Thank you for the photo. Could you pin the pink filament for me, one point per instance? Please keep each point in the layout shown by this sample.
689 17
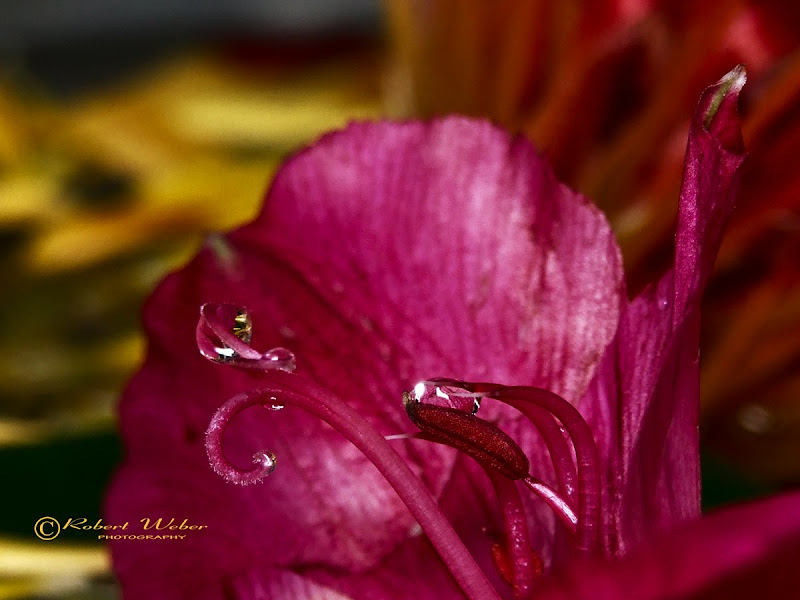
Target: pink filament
560 506
297 391
518 544
588 508
521 558
558 448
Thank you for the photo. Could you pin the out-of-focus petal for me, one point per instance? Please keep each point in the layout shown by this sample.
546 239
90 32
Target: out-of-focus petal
750 551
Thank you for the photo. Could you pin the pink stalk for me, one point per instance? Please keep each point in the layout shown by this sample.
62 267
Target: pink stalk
559 506
518 544
301 392
522 398
558 448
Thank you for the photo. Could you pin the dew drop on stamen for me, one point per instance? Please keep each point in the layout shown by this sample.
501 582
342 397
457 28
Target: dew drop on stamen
223 336
281 358
227 317
267 460
447 393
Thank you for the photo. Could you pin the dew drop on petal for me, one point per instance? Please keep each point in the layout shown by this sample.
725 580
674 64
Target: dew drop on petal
447 393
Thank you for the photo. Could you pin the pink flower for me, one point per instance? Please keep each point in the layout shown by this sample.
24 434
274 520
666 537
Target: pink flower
388 254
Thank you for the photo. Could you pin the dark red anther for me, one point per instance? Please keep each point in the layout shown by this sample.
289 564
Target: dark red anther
481 440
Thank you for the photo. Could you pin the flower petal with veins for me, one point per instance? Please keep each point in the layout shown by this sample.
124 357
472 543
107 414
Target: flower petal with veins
384 253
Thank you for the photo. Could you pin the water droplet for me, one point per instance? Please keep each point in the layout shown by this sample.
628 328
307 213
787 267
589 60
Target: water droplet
279 358
267 460
447 393
222 331
223 336
663 303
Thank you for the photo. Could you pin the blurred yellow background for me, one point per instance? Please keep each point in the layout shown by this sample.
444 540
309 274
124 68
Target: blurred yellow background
120 154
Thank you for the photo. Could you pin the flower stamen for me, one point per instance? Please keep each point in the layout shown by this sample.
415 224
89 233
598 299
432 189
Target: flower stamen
501 458
560 507
589 499
297 391
481 440
467 397
519 555
542 408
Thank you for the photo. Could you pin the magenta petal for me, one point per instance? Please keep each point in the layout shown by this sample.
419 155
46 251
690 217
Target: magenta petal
274 584
385 254
413 571
751 551
451 248
646 395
